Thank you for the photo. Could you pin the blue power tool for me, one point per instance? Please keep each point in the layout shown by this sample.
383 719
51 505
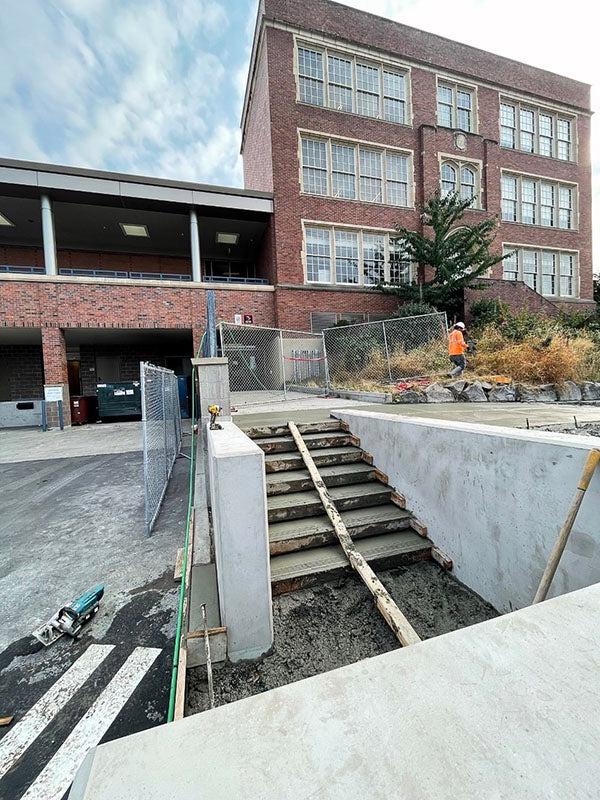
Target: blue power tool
72 617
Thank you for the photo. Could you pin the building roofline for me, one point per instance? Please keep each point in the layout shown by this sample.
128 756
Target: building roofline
144 180
263 16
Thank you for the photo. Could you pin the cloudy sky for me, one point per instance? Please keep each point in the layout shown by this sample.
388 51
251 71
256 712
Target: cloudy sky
156 86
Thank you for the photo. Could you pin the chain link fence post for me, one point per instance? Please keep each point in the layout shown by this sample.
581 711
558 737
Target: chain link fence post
387 352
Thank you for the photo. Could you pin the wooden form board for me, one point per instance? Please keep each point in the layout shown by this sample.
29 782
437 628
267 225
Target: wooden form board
401 627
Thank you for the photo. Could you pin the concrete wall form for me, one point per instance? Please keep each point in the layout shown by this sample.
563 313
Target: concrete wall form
492 498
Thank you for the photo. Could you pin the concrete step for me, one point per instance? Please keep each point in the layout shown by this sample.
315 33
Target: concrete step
301 534
299 480
323 457
291 571
314 441
298 505
263 431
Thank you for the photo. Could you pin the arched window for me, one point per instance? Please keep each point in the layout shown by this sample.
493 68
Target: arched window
448 179
467 183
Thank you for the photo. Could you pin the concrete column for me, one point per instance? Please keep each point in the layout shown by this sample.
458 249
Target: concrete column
239 514
213 384
48 236
54 352
195 247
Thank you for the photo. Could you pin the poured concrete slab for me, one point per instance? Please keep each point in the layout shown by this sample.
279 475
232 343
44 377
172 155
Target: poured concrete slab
508 708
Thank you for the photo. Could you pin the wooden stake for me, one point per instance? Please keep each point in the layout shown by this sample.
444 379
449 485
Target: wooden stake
591 463
209 675
401 627
182 663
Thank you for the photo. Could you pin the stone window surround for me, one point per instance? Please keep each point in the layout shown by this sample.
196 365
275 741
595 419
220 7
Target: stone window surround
476 164
530 104
519 247
455 85
541 179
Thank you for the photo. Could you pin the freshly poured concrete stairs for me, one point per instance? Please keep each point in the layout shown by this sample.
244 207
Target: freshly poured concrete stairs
303 545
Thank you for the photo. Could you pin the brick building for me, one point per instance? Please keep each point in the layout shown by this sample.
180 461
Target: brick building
368 118
349 122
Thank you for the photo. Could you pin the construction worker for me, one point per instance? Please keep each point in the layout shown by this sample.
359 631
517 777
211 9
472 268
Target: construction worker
456 349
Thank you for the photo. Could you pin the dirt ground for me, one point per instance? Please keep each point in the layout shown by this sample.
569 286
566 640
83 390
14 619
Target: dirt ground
336 623
585 429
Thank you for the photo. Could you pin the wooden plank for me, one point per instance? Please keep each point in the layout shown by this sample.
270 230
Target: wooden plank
418 526
367 457
178 564
211 632
398 500
182 663
401 627
381 476
441 558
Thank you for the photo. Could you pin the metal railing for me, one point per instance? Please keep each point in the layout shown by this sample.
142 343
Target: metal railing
373 353
269 363
161 424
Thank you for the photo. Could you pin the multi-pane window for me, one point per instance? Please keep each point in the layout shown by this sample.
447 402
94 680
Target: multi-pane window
310 75
509 198
346 257
551 272
314 166
373 258
352 171
535 201
359 256
455 107
462 178
371 180
347 83
318 255
536 130
508 126
339 83
343 171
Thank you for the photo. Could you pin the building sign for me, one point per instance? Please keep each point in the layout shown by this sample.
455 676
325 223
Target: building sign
237 319
53 393
248 319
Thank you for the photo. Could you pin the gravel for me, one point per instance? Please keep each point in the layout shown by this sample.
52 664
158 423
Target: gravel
336 623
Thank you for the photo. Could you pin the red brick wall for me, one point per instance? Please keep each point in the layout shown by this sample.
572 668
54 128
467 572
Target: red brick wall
423 138
83 259
294 306
256 147
43 303
349 24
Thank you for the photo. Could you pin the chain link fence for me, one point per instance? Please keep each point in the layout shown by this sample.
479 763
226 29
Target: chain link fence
161 423
268 364
373 353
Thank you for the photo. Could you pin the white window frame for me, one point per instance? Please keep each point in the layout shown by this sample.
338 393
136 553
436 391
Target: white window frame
356 57
556 252
358 144
538 180
458 164
361 231
455 87
538 110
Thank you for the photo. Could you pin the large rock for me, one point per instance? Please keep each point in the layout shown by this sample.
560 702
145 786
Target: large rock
526 394
409 396
547 393
502 393
568 392
590 390
456 387
436 393
473 393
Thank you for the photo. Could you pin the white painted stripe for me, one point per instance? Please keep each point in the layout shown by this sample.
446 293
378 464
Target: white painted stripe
56 777
18 739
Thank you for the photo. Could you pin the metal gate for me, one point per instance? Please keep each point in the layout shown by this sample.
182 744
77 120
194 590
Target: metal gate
161 424
269 364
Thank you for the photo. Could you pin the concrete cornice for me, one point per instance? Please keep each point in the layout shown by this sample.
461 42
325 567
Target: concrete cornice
54 279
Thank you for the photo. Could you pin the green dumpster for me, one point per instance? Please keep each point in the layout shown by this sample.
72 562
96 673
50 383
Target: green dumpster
119 400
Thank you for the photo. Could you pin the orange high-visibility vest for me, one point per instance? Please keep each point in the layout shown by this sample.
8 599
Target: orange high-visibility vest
456 343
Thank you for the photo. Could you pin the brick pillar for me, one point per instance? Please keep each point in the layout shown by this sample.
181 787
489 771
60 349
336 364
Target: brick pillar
54 353
197 334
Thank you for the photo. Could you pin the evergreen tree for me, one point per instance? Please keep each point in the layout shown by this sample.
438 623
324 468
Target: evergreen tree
457 254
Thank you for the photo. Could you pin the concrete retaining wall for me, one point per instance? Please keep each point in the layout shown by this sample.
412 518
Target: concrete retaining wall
492 498
236 467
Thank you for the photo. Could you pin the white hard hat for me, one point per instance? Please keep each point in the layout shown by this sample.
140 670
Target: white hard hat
460 325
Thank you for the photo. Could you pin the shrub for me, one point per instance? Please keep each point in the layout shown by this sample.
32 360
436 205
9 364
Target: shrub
414 310
488 311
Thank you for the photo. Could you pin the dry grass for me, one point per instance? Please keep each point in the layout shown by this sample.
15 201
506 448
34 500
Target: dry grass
551 358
